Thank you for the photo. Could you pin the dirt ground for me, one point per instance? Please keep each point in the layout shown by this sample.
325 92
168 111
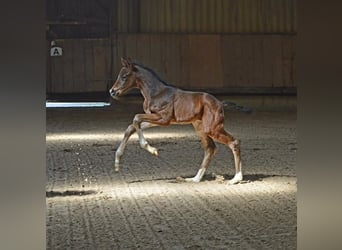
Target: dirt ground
90 206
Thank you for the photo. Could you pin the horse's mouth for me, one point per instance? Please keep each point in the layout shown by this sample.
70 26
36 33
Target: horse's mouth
115 94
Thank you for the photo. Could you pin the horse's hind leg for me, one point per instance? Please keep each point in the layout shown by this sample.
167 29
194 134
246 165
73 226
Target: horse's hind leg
224 137
209 152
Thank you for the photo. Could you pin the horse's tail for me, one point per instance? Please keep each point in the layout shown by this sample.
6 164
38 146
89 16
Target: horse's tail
233 106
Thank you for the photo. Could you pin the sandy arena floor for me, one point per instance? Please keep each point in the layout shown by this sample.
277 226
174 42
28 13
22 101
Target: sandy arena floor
89 206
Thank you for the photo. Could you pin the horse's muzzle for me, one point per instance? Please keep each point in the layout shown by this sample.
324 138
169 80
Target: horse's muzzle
114 94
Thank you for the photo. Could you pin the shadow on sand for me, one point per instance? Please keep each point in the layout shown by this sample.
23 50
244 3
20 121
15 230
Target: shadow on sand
51 194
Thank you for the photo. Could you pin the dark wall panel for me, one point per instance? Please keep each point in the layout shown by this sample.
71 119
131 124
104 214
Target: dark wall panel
83 67
207 16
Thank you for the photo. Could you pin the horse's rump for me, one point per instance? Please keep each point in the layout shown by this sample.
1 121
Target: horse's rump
213 114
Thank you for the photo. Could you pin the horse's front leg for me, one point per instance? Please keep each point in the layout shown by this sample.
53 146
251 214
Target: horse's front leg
143 142
129 131
119 152
142 121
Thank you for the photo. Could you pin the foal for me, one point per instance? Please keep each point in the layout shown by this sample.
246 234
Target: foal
165 105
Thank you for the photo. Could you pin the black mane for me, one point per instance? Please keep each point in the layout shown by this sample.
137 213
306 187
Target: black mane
153 73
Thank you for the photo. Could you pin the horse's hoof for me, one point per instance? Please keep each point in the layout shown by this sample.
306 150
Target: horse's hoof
237 179
152 150
117 168
192 180
233 182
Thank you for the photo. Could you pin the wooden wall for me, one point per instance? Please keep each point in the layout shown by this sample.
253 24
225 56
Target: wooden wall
84 66
213 62
206 16
216 45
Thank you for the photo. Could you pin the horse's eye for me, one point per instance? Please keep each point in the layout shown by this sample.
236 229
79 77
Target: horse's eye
124 78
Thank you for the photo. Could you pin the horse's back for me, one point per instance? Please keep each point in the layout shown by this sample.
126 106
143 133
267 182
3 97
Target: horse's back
190 106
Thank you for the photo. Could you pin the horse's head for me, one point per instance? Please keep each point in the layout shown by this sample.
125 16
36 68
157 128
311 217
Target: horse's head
126 79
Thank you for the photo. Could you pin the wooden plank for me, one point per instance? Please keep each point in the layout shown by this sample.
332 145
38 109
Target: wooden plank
242 61
79 66
227 67
152 15
143 48
54 79
184 61
249 50
292 73
258 60
277 62
231 56
197 22
100 67
121 45
143 13
161 16
205 67
148 13
204 16
48 86
238 59
132 16
68 81
116 57
219 17
88 64
130 47
243 54
163 56
168 15
175 16
56 72
156 59
107 52
172 59
190 14
287 61
182 16
268 63
212 16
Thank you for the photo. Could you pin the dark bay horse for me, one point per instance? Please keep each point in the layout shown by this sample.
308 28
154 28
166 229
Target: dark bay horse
165 105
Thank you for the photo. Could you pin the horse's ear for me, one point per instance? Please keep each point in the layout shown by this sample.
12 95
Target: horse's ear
124 62
127 63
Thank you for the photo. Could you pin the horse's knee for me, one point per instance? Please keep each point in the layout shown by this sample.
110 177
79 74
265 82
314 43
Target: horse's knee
130 130
235 145
136 121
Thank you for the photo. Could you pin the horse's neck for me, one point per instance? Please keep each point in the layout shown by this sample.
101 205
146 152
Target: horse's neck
150 86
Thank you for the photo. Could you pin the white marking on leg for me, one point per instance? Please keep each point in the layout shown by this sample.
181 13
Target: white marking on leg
198 176
144 144
237 178
119 152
